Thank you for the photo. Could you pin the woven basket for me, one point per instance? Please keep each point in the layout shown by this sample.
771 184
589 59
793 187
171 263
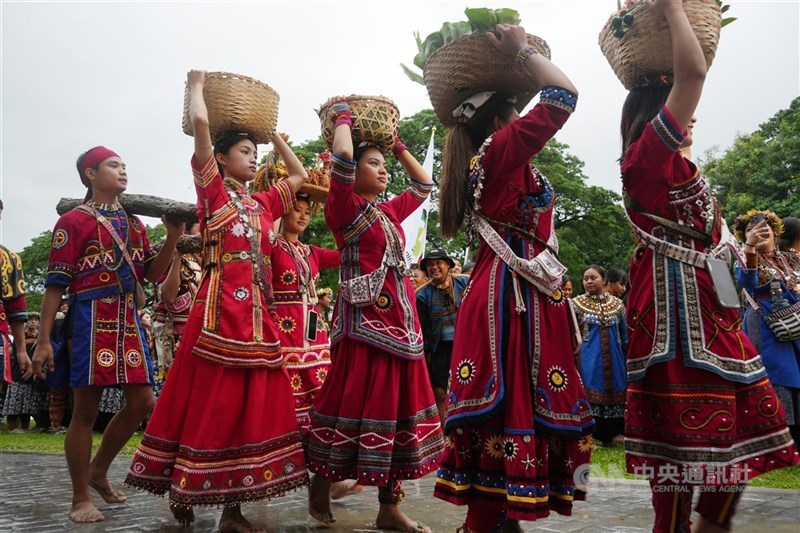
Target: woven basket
236 103
375 121
646 48
268 175
471 64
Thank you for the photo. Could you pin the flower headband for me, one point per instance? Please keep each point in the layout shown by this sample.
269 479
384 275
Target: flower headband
742 221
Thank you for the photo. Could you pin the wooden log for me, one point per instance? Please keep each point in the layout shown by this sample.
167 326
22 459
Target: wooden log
190 244
145 205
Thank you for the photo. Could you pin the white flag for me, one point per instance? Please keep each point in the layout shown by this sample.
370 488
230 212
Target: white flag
416 225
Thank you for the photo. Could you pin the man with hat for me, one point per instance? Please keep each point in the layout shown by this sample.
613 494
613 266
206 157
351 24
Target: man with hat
438 301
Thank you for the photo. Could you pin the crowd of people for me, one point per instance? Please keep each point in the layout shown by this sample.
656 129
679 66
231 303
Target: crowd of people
497 375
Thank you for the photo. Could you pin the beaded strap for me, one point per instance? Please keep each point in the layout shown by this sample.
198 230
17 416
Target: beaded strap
523 55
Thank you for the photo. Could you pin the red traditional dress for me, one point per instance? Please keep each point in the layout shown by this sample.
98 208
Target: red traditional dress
700 409
12 306
516 409
109 346
306 354
224 429
374 419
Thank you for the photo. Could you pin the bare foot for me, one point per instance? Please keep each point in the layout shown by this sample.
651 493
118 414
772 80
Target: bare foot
340 489
391 517
106 491
232 521
85 512
184 515
319 500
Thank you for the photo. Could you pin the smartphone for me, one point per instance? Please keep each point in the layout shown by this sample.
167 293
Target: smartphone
721 279
311 326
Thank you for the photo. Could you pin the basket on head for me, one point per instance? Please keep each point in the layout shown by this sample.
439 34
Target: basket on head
274 170
645 48
236 104
471 64
375 121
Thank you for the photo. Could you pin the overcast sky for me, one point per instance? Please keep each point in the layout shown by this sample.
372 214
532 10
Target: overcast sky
75 75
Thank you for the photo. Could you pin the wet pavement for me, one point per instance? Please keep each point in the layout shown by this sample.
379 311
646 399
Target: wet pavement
35 497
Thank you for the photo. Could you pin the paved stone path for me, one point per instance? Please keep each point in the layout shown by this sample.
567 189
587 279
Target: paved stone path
35 495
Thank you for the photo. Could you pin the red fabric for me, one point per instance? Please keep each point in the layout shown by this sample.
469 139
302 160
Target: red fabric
307 362
374 420
208 441
681 414
95 156
673 506
513 379
13 306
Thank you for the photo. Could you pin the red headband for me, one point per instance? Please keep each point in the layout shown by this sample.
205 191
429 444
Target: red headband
95 156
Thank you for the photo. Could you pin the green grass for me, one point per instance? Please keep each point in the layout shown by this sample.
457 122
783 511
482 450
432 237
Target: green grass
610 462
33 441
606 462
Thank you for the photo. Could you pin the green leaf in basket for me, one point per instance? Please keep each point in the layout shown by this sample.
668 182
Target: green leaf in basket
453 30
419 60
413 76
506 15
481 18
727 21
724 8
420 48
432 43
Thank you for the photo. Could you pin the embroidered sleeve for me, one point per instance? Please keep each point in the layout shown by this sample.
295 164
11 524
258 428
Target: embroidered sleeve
280 198
343 170
13 279
664 126
419 190
65 251
203 174
341 207
559 97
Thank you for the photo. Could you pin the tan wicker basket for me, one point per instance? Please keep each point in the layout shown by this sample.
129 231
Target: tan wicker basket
237 103
375 121
471 64
274 171
646 48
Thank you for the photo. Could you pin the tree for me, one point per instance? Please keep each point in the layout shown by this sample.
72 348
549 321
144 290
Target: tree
761 170
35 259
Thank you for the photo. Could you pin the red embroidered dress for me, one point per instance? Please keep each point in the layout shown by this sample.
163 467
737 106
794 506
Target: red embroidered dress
374 419
516 409
224 430
295 272
698 395
109 346
12 306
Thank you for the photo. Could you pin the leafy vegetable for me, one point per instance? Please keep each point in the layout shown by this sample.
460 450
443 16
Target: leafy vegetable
479 19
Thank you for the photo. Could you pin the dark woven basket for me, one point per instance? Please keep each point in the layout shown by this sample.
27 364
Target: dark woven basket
471 64
236 103
645 50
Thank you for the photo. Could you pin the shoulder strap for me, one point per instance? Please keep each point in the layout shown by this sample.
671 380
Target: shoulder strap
114 235
630 203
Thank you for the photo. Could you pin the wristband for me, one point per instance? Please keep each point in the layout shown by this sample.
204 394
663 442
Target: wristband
340 114
523 55
399 146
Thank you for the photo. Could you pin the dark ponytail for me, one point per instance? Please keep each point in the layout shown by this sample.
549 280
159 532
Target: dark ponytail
641 106
460 146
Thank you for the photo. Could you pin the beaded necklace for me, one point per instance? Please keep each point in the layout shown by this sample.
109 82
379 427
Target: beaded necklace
299 253
600 306
253 237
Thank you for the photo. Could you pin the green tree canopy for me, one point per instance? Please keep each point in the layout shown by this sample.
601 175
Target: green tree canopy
761 170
